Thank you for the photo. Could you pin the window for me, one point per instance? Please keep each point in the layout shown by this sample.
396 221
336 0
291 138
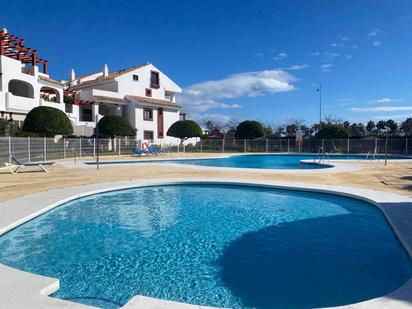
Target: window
136 78
147 114
154 79
86 114
148 92
148 135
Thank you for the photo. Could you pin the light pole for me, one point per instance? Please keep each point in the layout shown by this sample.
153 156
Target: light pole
97 142
320 103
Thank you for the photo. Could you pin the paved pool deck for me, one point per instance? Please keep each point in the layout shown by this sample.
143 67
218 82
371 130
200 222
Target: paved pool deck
29 194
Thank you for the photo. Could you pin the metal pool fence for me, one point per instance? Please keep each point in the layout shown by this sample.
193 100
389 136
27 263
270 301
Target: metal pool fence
35 149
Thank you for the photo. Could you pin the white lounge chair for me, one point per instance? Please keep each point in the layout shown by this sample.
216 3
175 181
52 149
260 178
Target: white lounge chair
17 166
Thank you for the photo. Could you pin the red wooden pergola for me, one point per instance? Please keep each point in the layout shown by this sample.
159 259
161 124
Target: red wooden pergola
13 47
77 101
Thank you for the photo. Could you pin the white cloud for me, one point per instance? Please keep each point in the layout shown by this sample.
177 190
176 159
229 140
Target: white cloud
345 39
380 109
396 117
196 99
331 55
377 43
385 100
348 57
259 54
374 33
281 56
326 67
336 45
218 119
296 67
316 53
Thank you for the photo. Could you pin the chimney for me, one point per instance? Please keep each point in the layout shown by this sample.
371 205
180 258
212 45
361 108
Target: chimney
72 75
105 71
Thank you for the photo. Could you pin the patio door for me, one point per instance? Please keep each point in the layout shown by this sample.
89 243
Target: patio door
160 124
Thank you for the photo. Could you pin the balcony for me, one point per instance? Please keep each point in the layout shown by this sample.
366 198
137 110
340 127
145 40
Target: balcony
19 104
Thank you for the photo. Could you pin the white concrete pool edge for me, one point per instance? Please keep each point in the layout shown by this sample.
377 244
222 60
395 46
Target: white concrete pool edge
25 290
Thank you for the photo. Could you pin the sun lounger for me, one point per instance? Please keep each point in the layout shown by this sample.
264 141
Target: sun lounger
17 166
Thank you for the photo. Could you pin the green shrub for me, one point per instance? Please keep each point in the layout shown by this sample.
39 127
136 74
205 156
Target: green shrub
333 131
249 129
184 129
47 121
112 126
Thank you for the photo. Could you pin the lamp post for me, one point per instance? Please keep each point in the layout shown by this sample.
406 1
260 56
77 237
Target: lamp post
320 103
97 142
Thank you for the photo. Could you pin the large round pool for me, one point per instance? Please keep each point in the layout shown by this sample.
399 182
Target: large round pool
215 245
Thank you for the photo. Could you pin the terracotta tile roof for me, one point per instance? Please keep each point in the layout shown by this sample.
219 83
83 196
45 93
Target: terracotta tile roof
48 79
155 101
115 74
86 75
104 98
112 75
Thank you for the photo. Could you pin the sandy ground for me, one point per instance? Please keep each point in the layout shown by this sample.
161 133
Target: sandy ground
395 177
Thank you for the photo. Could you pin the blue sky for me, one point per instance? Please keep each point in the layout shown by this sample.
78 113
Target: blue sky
238 59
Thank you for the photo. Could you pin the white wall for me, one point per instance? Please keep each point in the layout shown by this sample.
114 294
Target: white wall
169 117
12 69
128 86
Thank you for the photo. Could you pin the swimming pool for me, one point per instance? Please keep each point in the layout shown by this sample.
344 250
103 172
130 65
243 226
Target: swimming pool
280 161
216 245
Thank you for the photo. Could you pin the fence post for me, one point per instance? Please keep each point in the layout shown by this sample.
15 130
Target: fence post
376 146
28 149
347 150
288 145
178 148
64 148
94 147
44 149
323 145
119 145
244 144
80 147
406 146
184 148
223 145
267 145
9 149
201 145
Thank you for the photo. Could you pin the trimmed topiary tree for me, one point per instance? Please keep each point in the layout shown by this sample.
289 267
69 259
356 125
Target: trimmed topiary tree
333 131
249 129
47 121
184 129
112 126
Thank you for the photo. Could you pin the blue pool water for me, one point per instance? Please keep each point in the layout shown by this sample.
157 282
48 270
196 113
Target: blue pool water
254 161
227 246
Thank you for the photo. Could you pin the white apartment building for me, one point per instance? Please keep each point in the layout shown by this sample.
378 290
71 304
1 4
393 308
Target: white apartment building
22 85
143 95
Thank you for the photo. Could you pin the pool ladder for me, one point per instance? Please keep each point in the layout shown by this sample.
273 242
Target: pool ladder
372 156
321 156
